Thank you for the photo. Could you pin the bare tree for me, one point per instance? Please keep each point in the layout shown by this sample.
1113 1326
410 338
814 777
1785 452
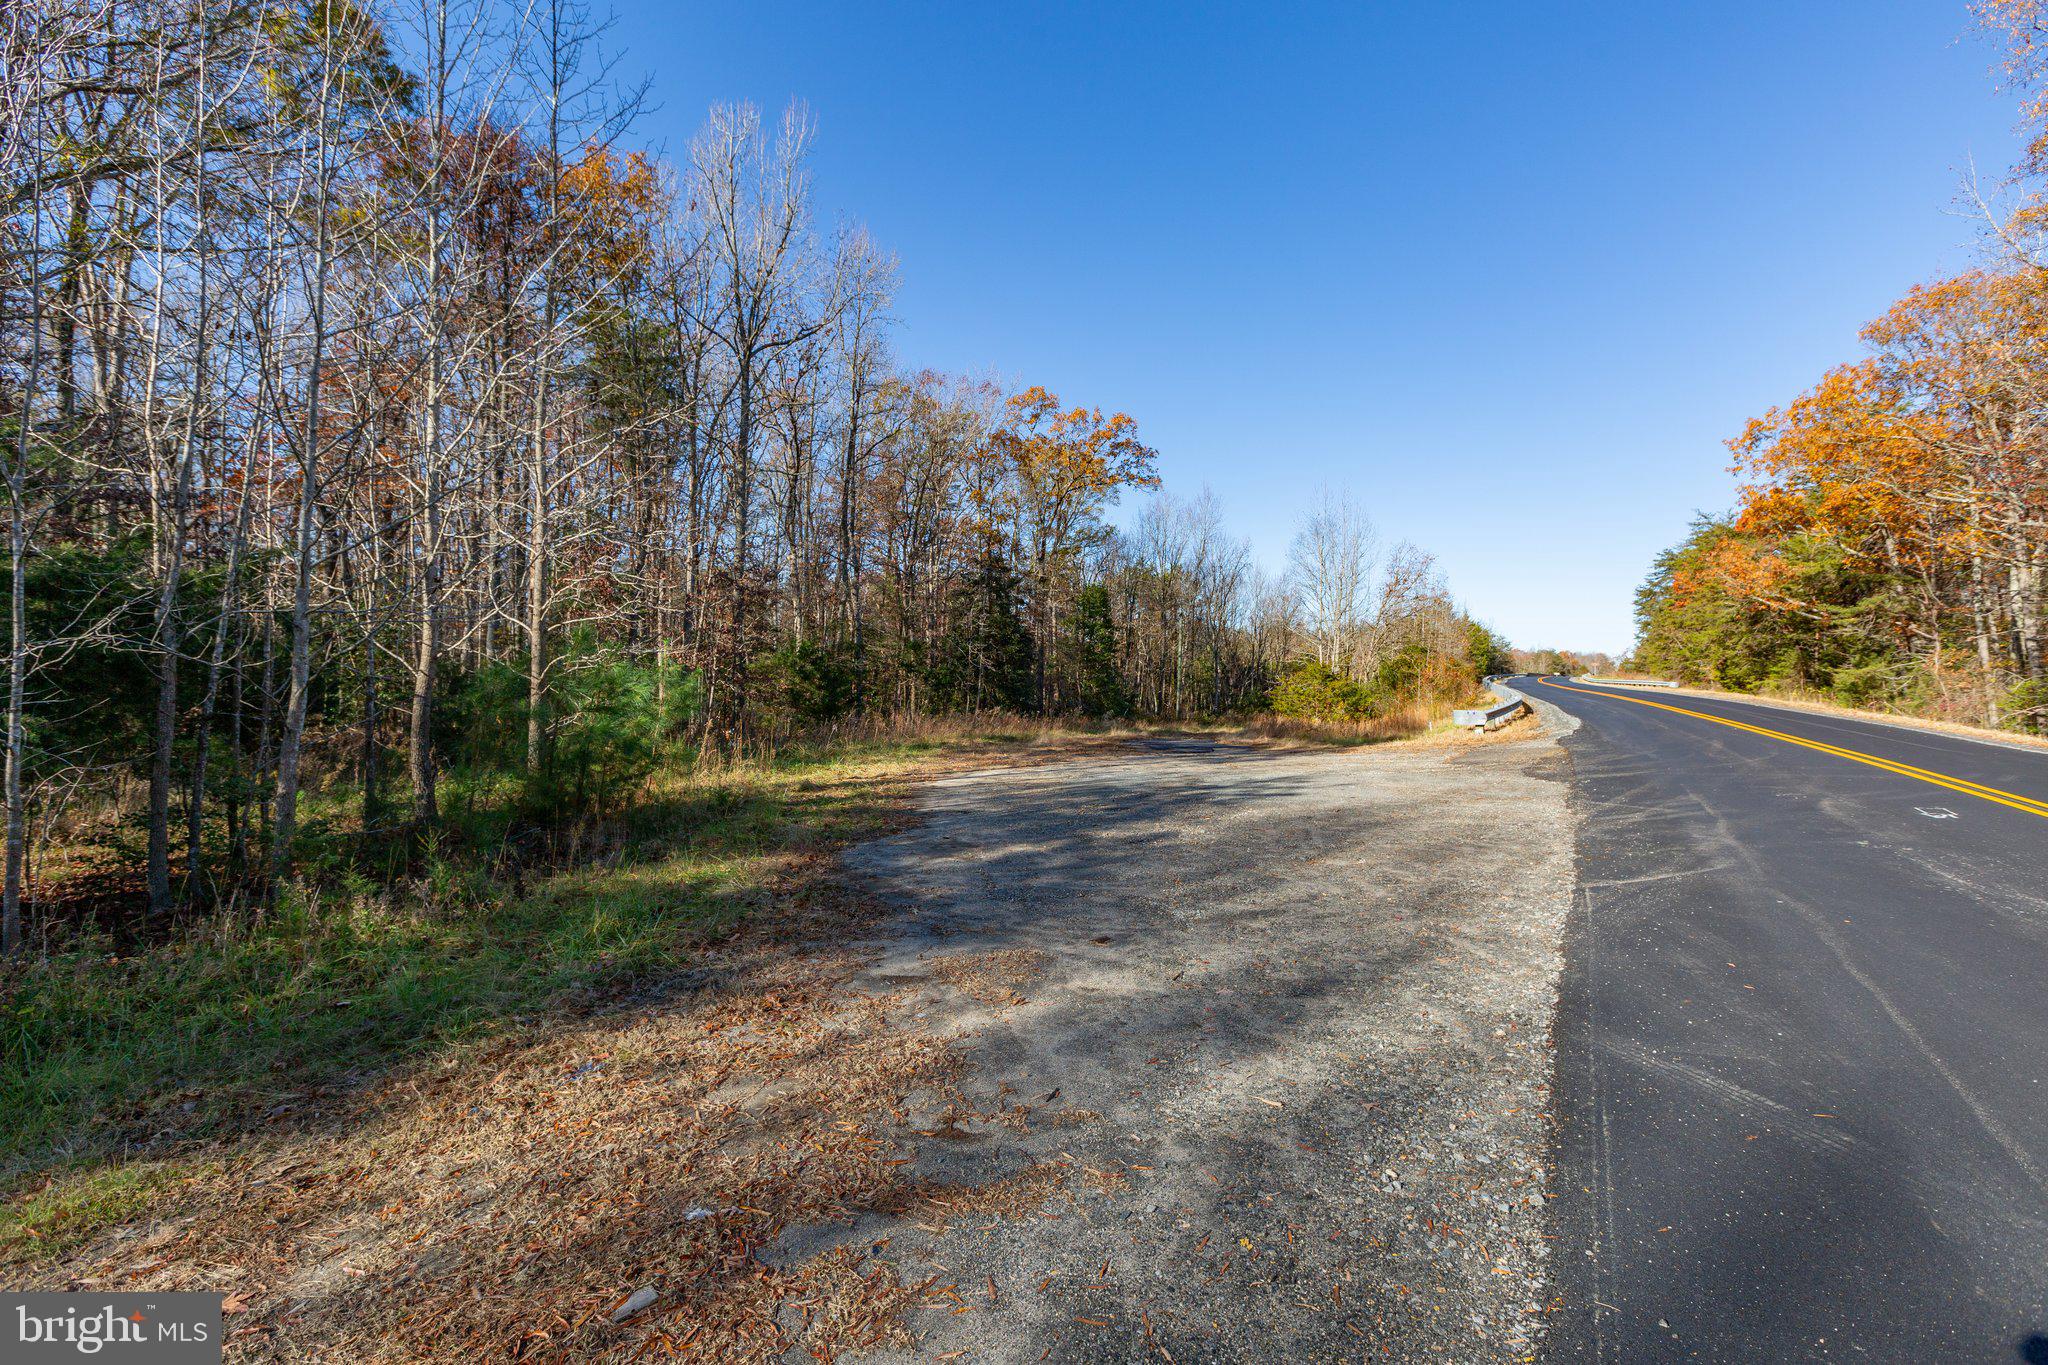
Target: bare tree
321 112
756 204
1404 599
1329 567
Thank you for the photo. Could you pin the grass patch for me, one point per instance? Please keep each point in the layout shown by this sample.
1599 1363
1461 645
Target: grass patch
495 1195
230 1024
71 1207
117 1068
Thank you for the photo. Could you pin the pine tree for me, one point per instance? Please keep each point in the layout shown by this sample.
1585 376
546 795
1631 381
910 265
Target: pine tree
988 664
1094 632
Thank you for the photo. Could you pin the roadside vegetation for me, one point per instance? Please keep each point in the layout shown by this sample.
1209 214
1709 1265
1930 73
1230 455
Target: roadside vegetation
132 1059
126 1037
121 1054
1890 549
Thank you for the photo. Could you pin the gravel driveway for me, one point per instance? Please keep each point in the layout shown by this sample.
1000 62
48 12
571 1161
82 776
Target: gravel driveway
1256 1053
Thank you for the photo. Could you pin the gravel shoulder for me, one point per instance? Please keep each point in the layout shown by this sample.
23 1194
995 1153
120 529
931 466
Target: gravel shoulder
1255 1054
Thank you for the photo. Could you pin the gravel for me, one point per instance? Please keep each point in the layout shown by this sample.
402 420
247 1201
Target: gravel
1278 1021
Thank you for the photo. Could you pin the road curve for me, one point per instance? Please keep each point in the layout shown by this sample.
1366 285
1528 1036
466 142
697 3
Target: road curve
1801 1038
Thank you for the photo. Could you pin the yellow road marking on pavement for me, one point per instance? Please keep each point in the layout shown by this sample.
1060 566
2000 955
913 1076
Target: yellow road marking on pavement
1956 784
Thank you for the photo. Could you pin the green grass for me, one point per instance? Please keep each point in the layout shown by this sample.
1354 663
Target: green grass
64 1213
205 1033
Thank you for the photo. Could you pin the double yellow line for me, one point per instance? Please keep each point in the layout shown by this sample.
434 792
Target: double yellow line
1954 784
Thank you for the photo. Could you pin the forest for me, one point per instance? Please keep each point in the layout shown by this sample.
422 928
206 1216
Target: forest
1890 544
402 465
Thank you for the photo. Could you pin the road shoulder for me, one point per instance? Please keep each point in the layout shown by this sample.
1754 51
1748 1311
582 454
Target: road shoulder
1268 1035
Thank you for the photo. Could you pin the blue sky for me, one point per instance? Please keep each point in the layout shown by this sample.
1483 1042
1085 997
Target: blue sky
1509 272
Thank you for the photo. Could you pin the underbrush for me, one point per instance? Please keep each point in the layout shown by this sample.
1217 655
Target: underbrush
1405 721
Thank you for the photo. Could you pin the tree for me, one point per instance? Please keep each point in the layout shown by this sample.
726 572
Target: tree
1102 691
364 394
1329 566
756 202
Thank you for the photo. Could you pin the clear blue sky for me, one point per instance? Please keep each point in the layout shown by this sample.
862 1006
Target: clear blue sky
1510 272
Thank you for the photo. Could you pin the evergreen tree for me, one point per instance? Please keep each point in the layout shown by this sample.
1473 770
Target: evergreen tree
1102 685
987 662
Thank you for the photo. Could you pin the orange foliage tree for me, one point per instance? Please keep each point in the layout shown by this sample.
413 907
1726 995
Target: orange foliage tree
1917 477
1061 469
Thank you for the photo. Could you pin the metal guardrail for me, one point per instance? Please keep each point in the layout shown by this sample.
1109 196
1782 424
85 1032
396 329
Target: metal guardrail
1482 719
1627 682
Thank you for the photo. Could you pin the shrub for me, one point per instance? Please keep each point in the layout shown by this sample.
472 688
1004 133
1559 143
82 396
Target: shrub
804 684
1878 682
615 719
1308 690
2027 705
609 720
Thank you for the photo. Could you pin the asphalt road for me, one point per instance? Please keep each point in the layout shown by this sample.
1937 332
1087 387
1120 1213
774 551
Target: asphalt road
1801 1039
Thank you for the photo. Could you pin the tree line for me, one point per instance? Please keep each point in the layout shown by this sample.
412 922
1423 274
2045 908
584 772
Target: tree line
379 424
1565 661
1890 545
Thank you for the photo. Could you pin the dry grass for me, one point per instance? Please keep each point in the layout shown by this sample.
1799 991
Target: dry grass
1522 727
507 1206
508 1196
1404 723
1025 739
1411 721
1015 734
130 1048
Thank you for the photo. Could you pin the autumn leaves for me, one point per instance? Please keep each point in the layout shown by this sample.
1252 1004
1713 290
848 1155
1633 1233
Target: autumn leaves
1891 541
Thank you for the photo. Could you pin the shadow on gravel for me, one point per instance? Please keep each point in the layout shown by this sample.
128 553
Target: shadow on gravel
1284 1025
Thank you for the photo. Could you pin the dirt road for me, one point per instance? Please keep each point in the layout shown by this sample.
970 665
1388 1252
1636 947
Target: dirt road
1259 1038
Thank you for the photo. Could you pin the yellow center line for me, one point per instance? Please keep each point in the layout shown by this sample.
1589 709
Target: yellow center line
1956 784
